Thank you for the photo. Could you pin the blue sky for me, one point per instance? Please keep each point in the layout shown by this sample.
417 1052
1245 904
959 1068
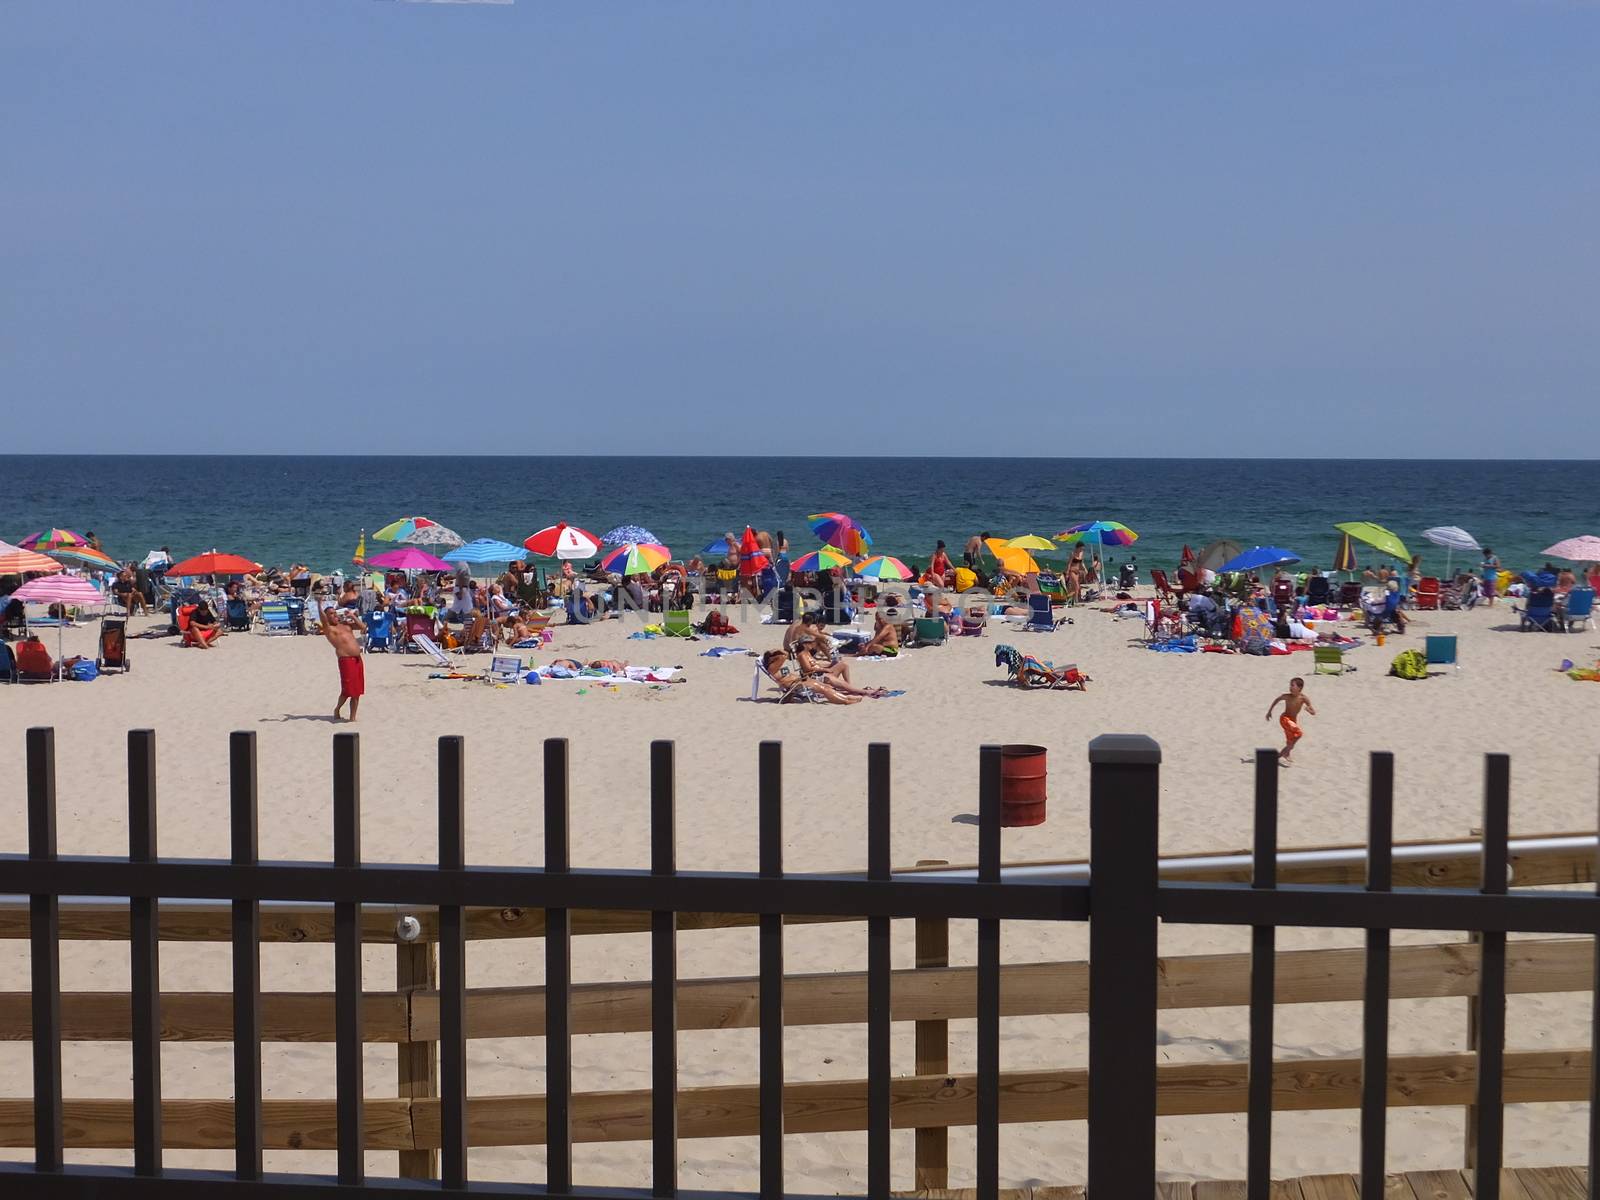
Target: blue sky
1166 229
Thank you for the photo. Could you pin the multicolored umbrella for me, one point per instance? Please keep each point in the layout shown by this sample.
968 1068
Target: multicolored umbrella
1377 537
563 541
85 554
882 566
825 559
14 560
484 550
623 534
408 558
1344 558
50 539
636 558
1103 533
1030 541
418 531
839 529
215 564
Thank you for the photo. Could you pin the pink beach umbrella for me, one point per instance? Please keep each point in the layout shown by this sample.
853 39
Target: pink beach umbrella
408 558
60 589
1576 549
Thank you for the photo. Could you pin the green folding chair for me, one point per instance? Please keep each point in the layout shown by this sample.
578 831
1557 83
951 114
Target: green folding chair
931 631
1329 660
677 624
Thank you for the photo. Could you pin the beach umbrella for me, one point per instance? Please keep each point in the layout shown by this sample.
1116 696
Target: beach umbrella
60 589
1186 559
1030 541
408 558
752 558
1377 537
1575 549
623 534
1452 538
418 531
484 550
636 558
1103 533
718 548
87 555
215 564
882 566
1012 558
563 541
1214 554
1344 558
50 539
360 555
821 560
839 529
14 560
1257 557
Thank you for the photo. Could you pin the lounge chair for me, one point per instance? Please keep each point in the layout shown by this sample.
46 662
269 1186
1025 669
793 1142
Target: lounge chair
930 631
1540 612
1440 649
678 624
1427 596
1030 672
238 615
1327 660
380 630
431 648
113 647
1283 595
503 668
798 692
1580 607
1040 616
1189 582
1164 589
418 625
275 617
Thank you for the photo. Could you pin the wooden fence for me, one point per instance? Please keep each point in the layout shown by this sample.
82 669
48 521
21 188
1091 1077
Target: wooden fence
431 1121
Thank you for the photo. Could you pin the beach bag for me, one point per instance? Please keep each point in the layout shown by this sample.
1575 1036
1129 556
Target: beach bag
85 670
1410 664
1257 645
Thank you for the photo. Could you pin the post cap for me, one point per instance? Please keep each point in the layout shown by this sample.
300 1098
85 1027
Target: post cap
1124 749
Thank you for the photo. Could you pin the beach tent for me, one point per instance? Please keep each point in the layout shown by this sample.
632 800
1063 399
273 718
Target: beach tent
1212 556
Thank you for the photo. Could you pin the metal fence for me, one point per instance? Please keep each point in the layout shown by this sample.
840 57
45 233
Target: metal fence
1123 899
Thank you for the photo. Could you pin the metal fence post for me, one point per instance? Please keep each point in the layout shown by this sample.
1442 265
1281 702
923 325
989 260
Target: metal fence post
1124 787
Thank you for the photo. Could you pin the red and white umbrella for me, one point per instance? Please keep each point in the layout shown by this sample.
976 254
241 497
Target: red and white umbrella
563 541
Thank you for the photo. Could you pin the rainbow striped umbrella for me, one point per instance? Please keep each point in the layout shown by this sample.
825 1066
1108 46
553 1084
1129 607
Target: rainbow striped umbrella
1104 533
882 566
636 558
1344 559
84 554
52 539
839 529
821 560
14 560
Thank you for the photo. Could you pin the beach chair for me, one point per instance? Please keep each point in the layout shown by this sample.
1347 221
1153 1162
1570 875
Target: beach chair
1041 618
930 631
503 668
1440 649
1164 589
1327 660
430 647
798 692
8 663
1053 586
297 613
678 624
418 625
974 620
1318 589
1349 594
380 630
1580 607
1427 596
238 615
113 647
33 661
1030 672
275 617
1540 612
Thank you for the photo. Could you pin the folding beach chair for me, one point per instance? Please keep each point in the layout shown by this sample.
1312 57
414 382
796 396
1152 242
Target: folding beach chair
431 648
1327 660
1040 617
380 630
930 631
503 668
1349 594
1427 596
1540 612
1164 589
678 624
275 617
8 663
1318 589
1440 649
1580 607
238 615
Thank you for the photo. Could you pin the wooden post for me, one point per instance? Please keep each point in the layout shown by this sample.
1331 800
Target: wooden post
932 1050
1474 1008
417 968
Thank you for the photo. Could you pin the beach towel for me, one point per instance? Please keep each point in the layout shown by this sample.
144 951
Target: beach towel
1180 645
724 651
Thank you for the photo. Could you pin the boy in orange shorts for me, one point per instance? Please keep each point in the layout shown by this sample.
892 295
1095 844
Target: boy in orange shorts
1294 700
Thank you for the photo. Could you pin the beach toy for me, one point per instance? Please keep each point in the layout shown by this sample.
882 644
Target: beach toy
1566 665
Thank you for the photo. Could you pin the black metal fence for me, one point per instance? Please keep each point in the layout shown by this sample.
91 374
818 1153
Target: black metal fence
1124 902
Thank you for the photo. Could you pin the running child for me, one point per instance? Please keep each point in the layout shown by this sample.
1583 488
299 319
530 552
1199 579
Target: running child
1294 700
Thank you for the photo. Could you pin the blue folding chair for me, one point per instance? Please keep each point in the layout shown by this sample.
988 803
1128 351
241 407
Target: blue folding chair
1540 612
1441 650
380 630
1580 607
1040 617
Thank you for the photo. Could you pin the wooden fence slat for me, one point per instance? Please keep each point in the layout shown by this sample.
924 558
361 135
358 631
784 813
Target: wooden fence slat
208 1017
208 1124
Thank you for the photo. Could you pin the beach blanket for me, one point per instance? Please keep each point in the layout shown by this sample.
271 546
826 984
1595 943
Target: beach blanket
596 675
1181 645
724 651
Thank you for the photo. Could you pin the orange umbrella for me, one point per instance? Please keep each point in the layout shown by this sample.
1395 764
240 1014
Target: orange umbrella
14 560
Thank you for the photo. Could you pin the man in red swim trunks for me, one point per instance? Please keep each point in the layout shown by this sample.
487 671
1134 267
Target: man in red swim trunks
338 626
1294 700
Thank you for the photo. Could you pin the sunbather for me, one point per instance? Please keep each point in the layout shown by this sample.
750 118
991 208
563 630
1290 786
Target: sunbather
798 690
885 637
819 658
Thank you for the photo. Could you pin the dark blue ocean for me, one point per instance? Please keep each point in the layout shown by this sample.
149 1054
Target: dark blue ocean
278 509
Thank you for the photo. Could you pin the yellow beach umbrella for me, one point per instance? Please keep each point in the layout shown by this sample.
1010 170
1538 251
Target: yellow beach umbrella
1012 558
1030 541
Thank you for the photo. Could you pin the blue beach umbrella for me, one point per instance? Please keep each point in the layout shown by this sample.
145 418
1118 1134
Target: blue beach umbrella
623 534
486 550
719 548
1257 557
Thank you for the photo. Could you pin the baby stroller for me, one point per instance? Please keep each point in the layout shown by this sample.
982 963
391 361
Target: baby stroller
113 646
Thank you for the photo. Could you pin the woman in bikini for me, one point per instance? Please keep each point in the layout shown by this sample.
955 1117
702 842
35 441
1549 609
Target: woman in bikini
776 664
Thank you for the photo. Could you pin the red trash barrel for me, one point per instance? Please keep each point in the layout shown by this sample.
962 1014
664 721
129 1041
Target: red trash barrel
1022 785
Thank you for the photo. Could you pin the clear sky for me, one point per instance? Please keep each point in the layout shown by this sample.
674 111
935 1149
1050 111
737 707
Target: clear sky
1054 228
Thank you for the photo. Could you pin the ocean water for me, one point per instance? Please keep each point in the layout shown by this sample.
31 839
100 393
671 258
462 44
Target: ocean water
280 509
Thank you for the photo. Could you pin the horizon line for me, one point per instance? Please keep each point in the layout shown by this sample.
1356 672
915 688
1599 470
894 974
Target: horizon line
796 457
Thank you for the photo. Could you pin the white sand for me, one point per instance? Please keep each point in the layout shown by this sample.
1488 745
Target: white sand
1205 710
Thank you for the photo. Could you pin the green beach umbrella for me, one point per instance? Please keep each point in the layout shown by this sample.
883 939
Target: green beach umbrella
1377 537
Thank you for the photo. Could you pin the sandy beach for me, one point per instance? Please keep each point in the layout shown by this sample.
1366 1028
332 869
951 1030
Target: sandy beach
1206 711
